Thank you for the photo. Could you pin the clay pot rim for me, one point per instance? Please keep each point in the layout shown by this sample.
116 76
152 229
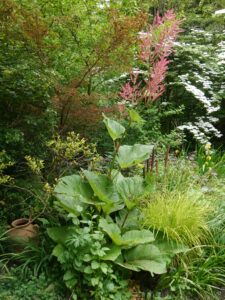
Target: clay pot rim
24 221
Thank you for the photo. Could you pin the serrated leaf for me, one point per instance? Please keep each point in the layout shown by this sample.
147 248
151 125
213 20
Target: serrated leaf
68 275
104 268
94 265
110 286
87 257
73 193
94 281
129 156
88 270
135 116
114 128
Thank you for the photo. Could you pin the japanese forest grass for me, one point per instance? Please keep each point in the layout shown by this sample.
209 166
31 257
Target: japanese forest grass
180 205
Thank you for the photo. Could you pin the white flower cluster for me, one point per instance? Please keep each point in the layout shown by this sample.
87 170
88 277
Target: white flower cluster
208 103
221 53
203 81
201 130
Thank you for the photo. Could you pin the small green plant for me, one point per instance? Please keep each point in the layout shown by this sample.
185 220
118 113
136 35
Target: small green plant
37 257
201 278
210 160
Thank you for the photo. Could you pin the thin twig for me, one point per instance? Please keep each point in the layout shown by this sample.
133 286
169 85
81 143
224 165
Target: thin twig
144 173
167 156
153 160
148 164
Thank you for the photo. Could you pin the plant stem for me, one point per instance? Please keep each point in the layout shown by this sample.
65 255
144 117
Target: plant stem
167 156
119 142
124 221
144 172
153 160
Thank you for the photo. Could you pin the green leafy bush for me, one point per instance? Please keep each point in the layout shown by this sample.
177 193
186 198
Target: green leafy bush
15 287
80 250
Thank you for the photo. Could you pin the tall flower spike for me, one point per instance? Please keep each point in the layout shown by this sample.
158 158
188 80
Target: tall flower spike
155 46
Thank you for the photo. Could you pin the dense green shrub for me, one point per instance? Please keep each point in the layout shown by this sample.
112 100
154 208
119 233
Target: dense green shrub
15 287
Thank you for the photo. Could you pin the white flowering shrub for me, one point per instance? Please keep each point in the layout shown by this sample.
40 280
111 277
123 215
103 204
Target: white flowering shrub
197 81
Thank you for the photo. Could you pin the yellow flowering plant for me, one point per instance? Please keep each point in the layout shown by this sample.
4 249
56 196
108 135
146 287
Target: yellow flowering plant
210 160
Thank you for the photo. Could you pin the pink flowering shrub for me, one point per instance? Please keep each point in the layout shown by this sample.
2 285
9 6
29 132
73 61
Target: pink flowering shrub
155 47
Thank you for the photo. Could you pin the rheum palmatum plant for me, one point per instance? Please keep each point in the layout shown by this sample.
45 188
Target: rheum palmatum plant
155 47
105 232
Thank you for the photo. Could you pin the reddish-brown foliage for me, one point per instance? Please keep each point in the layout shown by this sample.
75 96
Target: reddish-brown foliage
79 110
19 23
78 103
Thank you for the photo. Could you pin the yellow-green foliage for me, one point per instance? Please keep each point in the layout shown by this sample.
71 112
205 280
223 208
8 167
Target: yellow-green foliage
180 216
36 165
179 205
69 152
4 163
73 149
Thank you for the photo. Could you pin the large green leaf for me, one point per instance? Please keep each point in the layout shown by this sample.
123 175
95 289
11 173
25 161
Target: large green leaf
116 176
73 192
120 261
129 156
137 237
114 128
145 257
58 250
112 230
130 188
168 248
60 234
135 117
131 219
113 252
128 239
105 190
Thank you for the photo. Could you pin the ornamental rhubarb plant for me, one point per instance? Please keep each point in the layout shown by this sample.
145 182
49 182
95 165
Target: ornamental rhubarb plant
104 230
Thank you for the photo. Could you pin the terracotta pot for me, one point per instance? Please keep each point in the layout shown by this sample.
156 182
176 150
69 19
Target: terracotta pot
22 231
